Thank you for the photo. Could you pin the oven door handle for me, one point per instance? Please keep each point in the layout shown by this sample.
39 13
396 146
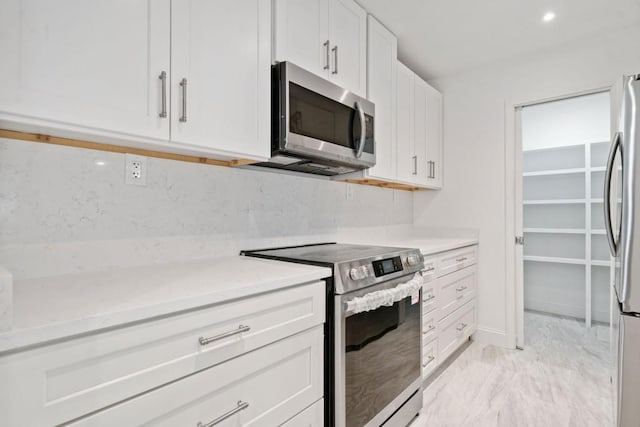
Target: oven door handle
385 297
363 130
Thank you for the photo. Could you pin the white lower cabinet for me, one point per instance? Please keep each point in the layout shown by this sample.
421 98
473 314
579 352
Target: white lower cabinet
455 260
313 416
448 304
455 290
456 328
57 383
265 387
429 357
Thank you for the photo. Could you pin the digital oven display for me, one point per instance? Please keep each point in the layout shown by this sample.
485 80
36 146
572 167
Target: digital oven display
387 266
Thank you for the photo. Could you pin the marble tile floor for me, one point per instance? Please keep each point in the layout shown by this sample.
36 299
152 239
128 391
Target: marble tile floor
560 379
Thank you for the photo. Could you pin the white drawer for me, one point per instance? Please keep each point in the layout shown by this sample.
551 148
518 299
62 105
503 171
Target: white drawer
458 259
455 290
429 298
277 382
429 327
455 329
430 358
429 272
313 416
56 383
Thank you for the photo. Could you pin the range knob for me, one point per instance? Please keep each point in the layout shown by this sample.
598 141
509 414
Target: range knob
413 260
358 273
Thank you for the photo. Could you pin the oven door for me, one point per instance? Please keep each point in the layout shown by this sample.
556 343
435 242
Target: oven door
377 357
321 121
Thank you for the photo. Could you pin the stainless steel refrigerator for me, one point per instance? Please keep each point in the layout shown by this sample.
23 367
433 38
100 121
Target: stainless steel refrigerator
622 224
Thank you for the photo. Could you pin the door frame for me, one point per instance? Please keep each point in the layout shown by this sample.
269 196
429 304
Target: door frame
513 208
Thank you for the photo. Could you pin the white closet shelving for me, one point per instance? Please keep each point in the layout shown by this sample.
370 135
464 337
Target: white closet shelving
566 253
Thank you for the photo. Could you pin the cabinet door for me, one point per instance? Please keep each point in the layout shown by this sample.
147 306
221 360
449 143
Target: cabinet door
404 116
434 138
78 64
381 84
420 130
301 34
348 36
221 76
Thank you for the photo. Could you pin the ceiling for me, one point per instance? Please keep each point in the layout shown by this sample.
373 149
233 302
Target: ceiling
443 37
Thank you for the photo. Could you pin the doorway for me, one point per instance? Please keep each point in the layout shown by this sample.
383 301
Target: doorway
561 150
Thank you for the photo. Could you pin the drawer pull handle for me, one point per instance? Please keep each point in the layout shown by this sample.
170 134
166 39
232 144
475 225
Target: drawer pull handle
241 329
430 328
461 326
241 407
462 258
429 298
427 270
429 360
461 288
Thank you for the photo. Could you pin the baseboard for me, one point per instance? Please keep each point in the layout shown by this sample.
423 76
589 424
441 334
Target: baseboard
554 308
486 336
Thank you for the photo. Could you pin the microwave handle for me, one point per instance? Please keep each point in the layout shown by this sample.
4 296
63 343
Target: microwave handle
363 130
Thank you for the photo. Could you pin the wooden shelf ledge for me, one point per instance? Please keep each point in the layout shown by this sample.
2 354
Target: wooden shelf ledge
385 184
77 143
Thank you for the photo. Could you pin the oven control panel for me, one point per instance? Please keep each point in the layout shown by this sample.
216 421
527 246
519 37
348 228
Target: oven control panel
364 272
387 266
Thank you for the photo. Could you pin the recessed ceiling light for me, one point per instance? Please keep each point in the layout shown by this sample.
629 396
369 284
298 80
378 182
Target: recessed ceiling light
549 16
100 162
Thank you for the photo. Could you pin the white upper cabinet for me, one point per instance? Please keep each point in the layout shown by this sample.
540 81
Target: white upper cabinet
381 90
434 138
348 36
220 75
301 34
79 64
326 37
419 131
404 134
420 90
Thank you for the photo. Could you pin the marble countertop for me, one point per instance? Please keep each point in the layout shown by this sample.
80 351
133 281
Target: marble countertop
427 245
53 308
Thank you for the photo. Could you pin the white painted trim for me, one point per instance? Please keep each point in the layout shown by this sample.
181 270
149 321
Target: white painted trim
559 309
519 228
486 336
510 229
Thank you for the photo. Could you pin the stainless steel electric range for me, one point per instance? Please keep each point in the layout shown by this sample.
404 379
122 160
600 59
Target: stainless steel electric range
372 331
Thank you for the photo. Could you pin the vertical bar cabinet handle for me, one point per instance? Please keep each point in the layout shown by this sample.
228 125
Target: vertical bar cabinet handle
335 60
327 60
183 85
163 79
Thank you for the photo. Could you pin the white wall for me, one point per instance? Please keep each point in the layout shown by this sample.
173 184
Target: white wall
574 121
474 129
60 212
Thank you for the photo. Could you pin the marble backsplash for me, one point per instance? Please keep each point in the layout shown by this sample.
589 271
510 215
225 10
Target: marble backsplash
65 210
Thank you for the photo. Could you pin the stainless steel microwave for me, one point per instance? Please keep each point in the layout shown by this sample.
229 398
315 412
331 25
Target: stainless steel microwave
318 127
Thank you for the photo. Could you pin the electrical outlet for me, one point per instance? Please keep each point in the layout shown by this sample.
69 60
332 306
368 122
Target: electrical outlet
135 170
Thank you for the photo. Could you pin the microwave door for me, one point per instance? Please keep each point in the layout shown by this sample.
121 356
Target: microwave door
323 122
319 126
